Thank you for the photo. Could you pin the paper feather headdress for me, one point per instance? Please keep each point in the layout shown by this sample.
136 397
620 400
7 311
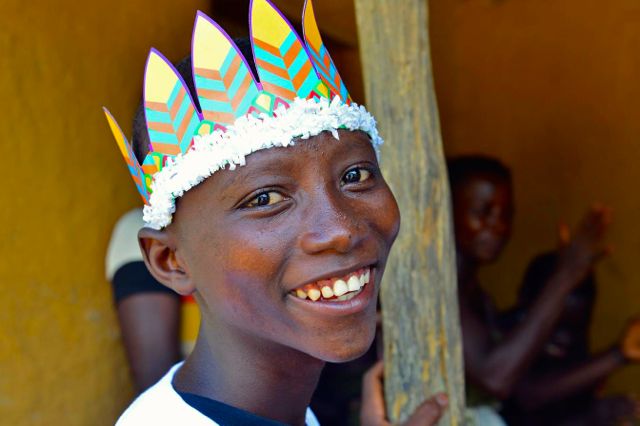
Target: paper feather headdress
299 95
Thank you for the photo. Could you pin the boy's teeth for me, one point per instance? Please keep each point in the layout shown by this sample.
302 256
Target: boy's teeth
347 296
314 294
327 292
340 287
354 283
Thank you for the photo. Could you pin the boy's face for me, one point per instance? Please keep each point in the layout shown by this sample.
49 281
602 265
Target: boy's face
483 212
571 332
249 238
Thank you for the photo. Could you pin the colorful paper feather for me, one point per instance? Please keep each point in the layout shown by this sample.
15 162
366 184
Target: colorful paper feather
284 66
320 56
172 118
129 157
224 82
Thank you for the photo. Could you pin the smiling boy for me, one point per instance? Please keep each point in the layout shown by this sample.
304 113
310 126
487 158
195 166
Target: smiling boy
269 207
248 241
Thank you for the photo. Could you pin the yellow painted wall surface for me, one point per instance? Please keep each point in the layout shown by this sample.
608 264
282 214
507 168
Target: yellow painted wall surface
64 186
553 89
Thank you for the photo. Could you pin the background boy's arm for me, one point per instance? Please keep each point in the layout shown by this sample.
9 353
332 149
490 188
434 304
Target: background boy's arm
536 391
149 323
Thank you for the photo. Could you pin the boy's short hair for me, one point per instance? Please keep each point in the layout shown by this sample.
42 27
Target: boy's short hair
464 167
140 135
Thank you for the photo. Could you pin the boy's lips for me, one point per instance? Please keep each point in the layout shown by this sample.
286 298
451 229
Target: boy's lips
339 288
354 292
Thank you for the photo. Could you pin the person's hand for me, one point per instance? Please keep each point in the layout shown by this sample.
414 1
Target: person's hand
630 342
579 252
372 411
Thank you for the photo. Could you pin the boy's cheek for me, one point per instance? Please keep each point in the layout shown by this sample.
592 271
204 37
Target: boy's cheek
245 285
387 218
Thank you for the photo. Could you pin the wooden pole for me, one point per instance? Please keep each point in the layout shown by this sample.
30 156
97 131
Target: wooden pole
422 343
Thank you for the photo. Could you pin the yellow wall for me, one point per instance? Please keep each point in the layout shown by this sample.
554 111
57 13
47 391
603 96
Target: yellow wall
64 186
552 88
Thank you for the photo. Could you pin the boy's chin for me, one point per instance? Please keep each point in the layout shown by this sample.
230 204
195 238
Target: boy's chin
345 350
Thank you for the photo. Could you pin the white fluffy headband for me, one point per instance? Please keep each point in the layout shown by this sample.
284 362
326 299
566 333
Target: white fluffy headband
303 119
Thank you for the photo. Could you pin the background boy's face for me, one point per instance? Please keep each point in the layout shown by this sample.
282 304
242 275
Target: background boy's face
570 336
483 211
290 217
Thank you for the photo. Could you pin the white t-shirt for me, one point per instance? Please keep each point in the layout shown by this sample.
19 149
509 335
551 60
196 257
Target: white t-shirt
123 247
161 405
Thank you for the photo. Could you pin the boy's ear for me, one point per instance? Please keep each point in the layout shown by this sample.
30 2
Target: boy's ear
163 261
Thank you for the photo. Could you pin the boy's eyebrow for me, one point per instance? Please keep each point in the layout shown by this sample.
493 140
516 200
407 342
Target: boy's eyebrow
252 170
272 161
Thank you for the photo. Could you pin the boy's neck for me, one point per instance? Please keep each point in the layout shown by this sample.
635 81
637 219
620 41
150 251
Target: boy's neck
260 377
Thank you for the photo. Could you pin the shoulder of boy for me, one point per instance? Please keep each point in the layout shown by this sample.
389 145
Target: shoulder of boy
161 405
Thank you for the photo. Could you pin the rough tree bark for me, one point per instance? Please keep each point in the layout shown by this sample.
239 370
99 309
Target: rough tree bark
422 343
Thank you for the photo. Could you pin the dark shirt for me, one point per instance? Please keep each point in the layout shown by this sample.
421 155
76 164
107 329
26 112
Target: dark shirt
223 414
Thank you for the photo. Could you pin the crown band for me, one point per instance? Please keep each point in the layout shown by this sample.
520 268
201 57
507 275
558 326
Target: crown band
303 119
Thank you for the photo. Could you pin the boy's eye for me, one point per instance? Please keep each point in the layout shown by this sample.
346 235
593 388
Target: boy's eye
265 199
355 175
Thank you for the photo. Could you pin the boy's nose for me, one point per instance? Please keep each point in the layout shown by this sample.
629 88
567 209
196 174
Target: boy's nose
498 221
330 228
498 226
